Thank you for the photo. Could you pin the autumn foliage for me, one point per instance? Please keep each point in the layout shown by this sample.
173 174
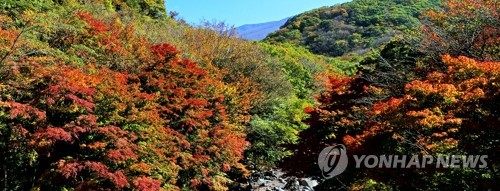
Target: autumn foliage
404 101
465 27
112 95
451 111
136 116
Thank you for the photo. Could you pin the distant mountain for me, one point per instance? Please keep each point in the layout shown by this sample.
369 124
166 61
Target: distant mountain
259 31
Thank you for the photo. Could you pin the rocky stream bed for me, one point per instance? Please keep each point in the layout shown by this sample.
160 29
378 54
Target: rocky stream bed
275 180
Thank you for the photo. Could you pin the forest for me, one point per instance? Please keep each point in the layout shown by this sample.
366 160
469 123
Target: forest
123 95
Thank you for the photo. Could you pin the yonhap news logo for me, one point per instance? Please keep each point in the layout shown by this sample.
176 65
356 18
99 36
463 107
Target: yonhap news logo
333 160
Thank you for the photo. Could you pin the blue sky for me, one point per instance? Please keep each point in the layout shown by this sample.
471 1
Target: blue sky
239 12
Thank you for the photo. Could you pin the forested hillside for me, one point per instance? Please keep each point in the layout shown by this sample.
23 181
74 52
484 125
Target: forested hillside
352 27
434 92
120 95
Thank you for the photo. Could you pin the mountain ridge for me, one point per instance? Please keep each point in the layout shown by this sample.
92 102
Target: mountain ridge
259 31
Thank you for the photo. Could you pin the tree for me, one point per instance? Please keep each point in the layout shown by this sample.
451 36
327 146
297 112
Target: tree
469 28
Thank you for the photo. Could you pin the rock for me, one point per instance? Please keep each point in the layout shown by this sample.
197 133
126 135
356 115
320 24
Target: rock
308 182
304 182
278 189
270 173
255 176
306 188
262 182
274 180
282 181
292 184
